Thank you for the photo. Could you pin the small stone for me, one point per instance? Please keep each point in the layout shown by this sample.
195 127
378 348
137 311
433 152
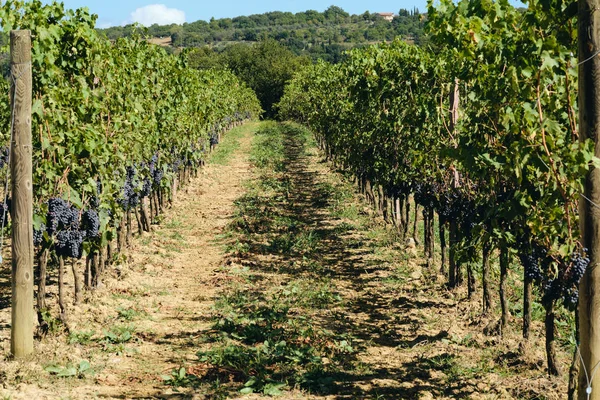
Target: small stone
417 273
426 396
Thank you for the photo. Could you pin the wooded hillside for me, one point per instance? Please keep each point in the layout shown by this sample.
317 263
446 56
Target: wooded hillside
322 35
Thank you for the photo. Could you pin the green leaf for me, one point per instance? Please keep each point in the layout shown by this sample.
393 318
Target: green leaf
548 61
84 366
273 389
53 369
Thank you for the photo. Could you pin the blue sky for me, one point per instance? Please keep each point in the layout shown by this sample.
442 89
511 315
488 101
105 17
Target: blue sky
118 12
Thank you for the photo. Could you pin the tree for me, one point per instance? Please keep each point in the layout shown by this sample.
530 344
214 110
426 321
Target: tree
336 14
205 58
266 67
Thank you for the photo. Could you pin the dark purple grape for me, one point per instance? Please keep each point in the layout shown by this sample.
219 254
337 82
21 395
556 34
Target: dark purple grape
61 216
129 196
578 266
38 235
90 224
146 188
158 177
571 298
69 243
4 157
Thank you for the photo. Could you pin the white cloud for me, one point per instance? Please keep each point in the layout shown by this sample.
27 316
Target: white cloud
157 14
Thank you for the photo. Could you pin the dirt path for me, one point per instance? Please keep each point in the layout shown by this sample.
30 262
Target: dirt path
160 296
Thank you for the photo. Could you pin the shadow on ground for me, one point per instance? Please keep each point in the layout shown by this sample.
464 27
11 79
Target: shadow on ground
295 229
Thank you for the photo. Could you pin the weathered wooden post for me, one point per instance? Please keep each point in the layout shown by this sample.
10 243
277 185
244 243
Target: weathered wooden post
454 273
22 196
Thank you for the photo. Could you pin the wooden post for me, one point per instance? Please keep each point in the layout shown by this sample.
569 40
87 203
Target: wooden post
454 274
21 343
589 128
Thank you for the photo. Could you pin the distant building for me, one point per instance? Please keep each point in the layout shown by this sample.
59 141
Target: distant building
387 16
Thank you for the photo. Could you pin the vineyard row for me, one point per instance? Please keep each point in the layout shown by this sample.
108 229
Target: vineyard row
117 128
479 128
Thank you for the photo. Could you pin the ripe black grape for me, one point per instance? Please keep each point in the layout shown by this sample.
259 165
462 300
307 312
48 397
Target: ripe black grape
69 243
4 211
129 197
534 259
176 164
214 139
61 216
571 298
158 177
578 266
146 188
552 290
90 223
153 163
4 156
531 266
38 235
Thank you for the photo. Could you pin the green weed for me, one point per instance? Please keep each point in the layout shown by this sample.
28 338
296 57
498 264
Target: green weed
81 370
129 314
81 337
53 324
174 224
180 378
119 334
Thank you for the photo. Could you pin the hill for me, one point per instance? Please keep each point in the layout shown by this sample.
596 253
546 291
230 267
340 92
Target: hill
316 34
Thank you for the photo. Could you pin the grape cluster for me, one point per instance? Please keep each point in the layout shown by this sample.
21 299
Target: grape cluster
90 223
62 222
38 235
571 298
61 216
153 163
214 138
573 272
5 207
69 243
458 205
146 188
577 267
443 200
552 290
424 194
531 266
534 259
129 197
566 285
176 164
156 173
4 157
466 212
157 177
